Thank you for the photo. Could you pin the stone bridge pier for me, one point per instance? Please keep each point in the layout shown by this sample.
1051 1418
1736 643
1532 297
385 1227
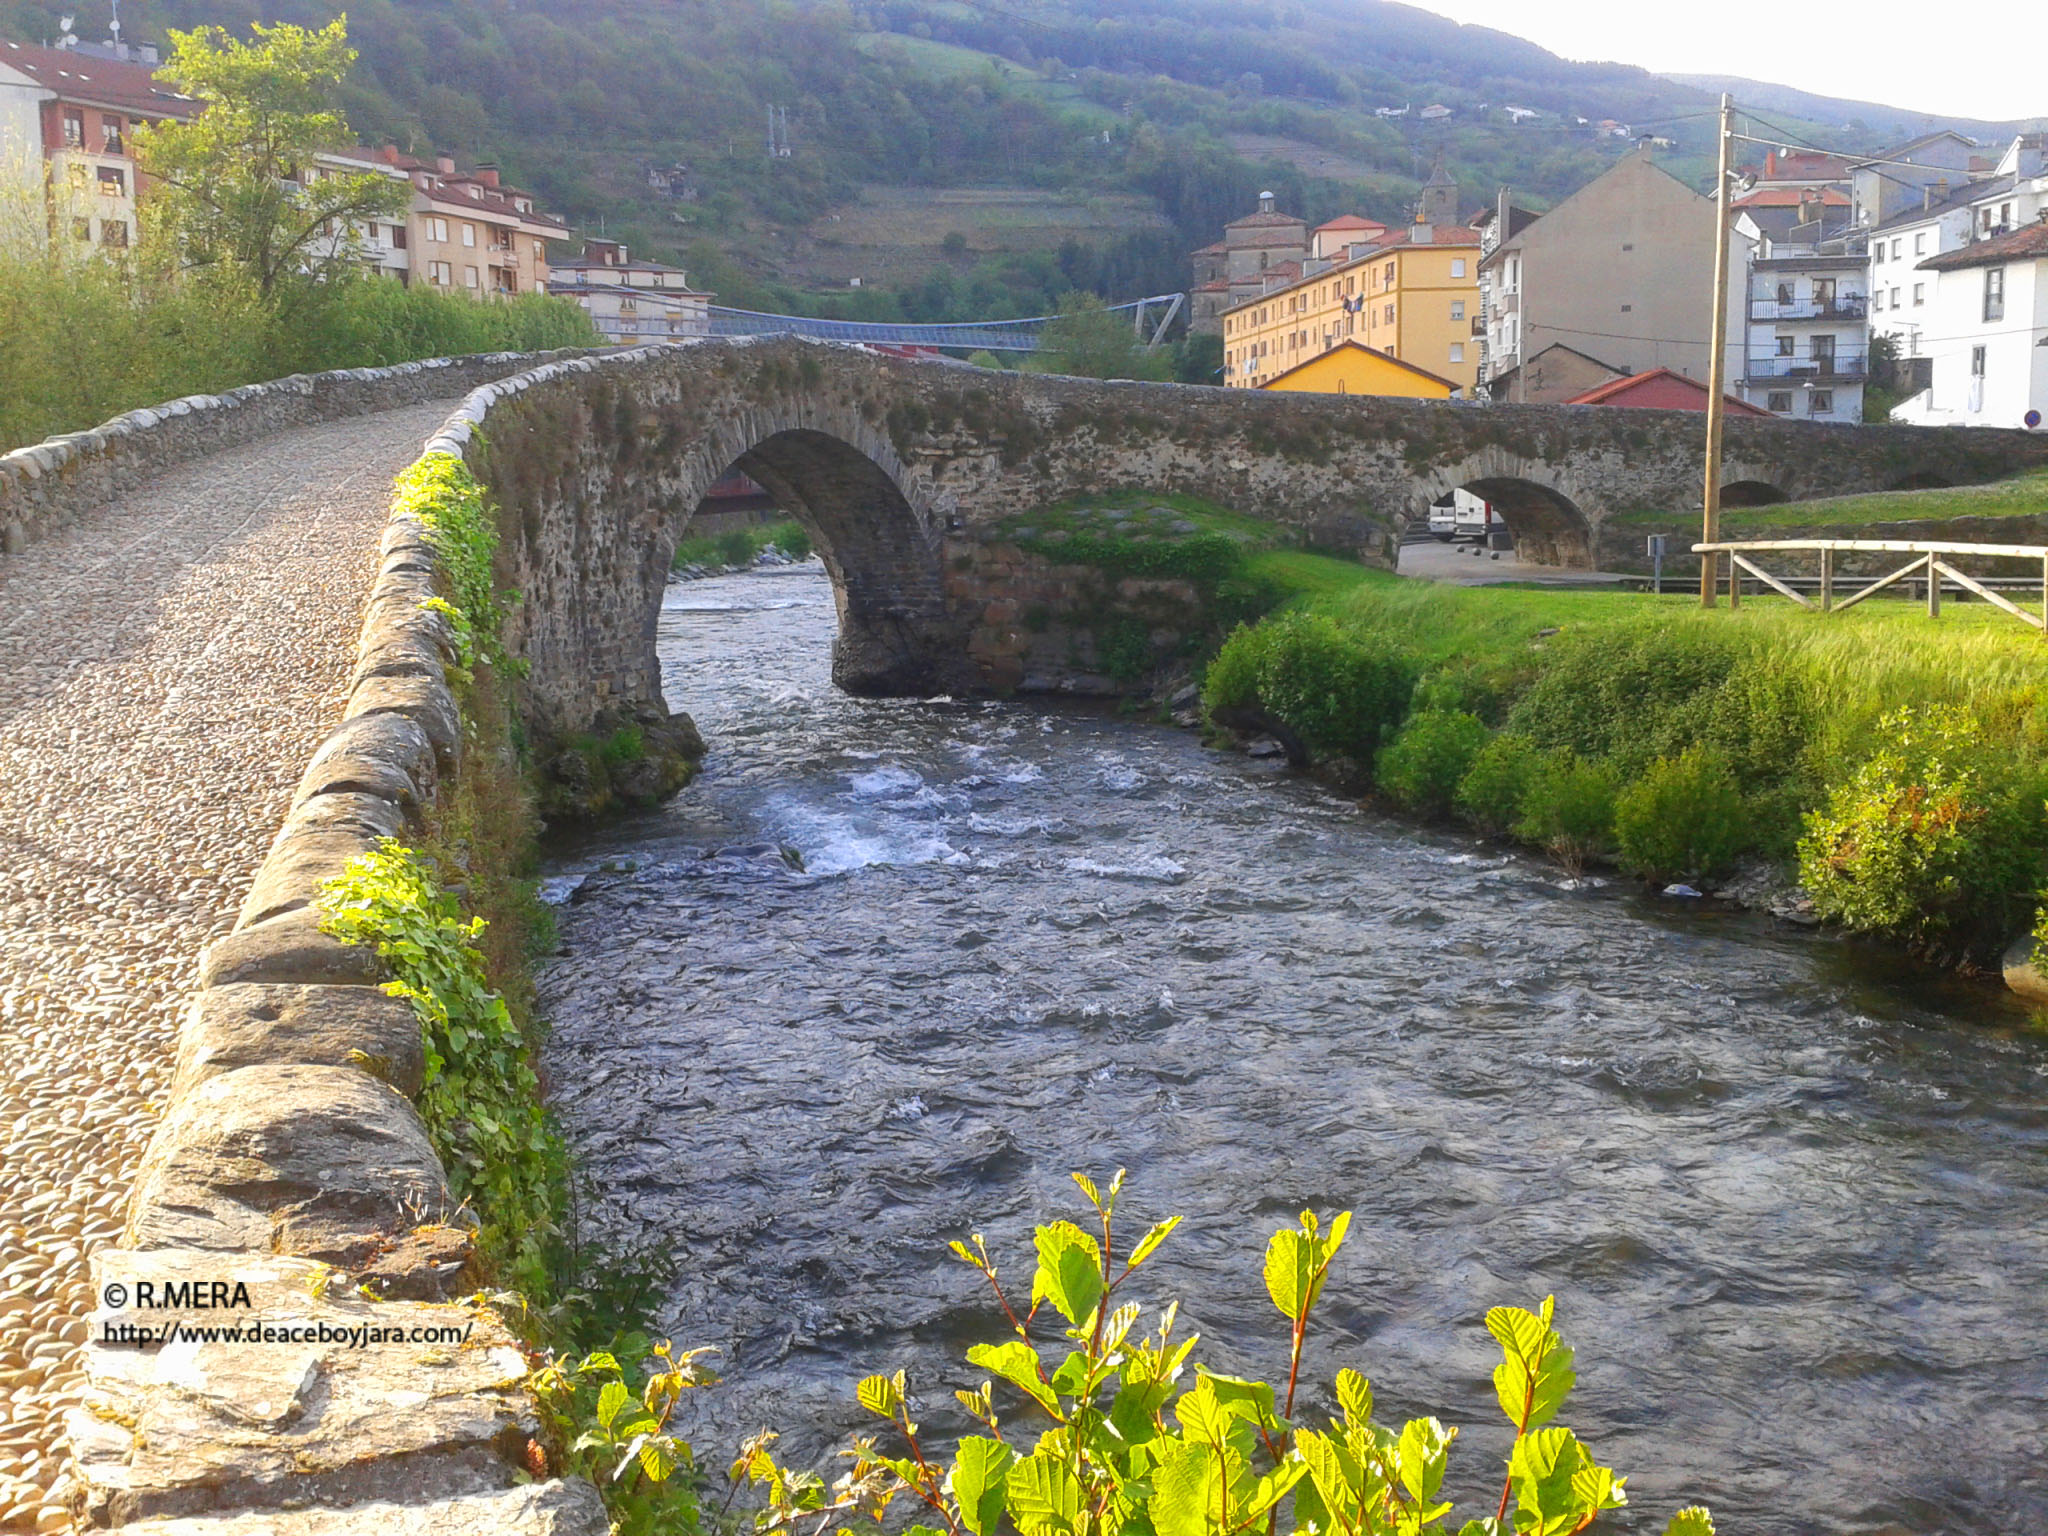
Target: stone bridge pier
598 466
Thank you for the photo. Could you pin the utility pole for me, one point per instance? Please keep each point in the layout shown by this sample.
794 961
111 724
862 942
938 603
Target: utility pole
1717 364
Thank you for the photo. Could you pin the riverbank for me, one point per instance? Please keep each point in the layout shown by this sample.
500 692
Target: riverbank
1892 766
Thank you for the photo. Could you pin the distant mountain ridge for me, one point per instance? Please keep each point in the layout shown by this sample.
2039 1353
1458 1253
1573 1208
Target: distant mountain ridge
1898 123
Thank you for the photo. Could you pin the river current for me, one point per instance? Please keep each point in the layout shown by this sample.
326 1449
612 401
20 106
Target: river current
1792 1199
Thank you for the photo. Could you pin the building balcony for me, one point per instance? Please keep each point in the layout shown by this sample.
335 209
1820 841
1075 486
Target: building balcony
1842 366
1850 307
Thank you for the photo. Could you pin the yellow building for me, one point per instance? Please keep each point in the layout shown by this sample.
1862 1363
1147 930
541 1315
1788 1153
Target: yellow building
1412 295
1350 368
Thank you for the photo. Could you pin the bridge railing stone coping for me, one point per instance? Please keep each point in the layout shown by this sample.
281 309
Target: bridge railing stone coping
51 483
290 1156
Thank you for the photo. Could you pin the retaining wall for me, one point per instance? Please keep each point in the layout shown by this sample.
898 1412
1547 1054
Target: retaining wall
290 1160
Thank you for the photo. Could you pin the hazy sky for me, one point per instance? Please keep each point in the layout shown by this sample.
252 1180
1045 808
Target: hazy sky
1970 60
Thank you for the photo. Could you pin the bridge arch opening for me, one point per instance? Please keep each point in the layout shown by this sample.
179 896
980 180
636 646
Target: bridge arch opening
1751 493
881 554
1546 525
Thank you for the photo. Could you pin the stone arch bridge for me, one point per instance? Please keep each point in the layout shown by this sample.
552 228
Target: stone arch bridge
598 465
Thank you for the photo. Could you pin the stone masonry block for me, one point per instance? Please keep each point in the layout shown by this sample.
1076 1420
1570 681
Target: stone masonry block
425 701
385 754
299 864
321 1161
254 1024
288 948
310 1430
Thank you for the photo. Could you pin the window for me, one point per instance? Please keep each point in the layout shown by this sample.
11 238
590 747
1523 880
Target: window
1894 298
1387 277
1457 351
1779 402
81 229
398 237
1823 290
114 234
78 176
1821 403
1920 244
471 278
1919 294
1994 293
438 228
1824 354
1895 249
111 128
1784 346
1976 362
1785 293
1389 317
1628 245
439 273
1877 254
113 181
2005 214
1457 266
1628 309
1877 298
1457 309
74 128
469 236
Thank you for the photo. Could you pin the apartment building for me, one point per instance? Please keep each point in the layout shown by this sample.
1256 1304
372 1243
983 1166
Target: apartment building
467 231
1622 269
631 301
1411 295
67 133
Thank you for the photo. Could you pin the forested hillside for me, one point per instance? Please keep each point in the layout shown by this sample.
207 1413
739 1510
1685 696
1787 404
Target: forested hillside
1107 137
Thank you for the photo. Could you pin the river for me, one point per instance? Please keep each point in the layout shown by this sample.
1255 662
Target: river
1792 1198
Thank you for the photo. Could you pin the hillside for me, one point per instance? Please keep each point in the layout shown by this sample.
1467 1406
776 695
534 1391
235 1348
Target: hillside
1067 143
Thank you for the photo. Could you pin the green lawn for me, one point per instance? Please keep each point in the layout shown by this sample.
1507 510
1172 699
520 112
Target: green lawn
2023 495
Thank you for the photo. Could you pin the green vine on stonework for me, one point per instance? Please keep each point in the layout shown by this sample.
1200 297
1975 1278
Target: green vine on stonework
481 1100
439 491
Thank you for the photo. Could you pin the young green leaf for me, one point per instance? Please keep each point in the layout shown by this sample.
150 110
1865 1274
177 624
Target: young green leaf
1017 1363
1694 1520
881 1395
1149 1243
1354 1396
1069 1271
1421 1454
1535 1374
611 1398
1290 1271
979 1482
1043 1495
1187 1492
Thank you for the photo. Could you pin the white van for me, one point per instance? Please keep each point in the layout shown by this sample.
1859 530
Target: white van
1473 517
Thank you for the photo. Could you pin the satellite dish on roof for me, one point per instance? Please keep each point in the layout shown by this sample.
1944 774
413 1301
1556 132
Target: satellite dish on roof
65 23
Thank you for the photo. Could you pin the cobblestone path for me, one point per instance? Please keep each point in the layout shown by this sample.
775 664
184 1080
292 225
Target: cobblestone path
167 665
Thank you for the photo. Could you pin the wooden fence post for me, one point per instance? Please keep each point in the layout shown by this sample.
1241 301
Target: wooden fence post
1933 590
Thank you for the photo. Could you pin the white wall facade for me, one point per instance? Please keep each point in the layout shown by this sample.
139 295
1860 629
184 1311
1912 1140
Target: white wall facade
1807 352
1987 372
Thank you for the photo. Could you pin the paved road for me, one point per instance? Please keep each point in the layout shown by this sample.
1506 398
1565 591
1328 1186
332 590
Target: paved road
166 668
1432 560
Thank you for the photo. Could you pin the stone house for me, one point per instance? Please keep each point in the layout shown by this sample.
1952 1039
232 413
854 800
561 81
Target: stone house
631 301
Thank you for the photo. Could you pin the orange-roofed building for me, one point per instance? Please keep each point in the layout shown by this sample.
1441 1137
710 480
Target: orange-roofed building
1352 369
1659 390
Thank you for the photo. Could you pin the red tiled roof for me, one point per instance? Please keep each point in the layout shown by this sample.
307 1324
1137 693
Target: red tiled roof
455 189
1443 234
1219 286
1653 383
2025 243
1220 248
1350 221
100 82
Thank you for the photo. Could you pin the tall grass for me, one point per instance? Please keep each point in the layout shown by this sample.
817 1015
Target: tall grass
86 334
1791 705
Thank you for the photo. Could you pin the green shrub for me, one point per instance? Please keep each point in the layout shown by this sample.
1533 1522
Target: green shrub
1568 809
1338 693
1628 695
1684 816
1422 767
737 546
792 538
1103 1428
1490 795
1931 840
481 1103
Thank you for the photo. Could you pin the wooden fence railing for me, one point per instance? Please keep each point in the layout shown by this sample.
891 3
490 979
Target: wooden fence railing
1926 563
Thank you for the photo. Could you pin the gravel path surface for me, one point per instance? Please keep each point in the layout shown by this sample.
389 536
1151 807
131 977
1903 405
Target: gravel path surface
167 666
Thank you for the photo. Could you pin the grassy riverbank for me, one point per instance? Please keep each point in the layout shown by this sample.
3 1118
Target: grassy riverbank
2022 496
1897 766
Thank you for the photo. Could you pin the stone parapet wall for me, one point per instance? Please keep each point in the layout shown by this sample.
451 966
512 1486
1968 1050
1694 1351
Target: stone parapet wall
52 483
291 1162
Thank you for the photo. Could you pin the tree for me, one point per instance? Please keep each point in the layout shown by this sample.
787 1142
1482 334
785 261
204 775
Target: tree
1087 340
239 194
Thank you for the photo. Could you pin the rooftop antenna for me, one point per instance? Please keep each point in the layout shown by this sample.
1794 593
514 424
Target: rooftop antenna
66 38
114 26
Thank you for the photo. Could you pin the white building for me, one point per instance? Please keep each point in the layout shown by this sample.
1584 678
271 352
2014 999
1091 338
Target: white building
1808 350
631 301
1963 285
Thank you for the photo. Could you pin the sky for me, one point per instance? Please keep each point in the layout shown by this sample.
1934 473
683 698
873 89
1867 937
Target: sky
1984 62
